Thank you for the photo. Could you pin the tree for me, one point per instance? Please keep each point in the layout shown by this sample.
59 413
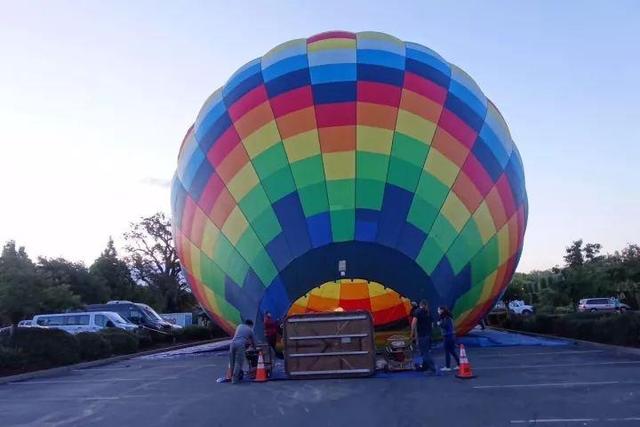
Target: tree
59 271
25 291
115 274
517 288
18 287
153 260
573 257
591 251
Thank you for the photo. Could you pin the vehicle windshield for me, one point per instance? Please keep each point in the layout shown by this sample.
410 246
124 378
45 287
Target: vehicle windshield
118 319
150 312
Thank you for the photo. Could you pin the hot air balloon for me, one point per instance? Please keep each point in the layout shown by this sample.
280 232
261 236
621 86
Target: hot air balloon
353 165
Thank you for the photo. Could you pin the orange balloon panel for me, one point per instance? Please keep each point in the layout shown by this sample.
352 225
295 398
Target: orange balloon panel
386 305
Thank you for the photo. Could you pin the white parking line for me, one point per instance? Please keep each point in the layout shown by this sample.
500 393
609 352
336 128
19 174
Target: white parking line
560 365
85 398
541 353
553 420
145 367
101 369
572 420
86 381
565 384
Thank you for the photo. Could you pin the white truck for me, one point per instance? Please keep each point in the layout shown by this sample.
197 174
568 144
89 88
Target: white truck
519 307
516 307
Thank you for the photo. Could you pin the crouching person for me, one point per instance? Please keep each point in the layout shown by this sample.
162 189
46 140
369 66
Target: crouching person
242 339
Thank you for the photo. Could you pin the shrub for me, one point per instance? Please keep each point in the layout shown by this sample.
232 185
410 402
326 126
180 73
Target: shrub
543 323
194 333
45 347
623 329
12 359
217 331
121 341
93 346
160 336
590 315
608 328
566 309
545 309
145 339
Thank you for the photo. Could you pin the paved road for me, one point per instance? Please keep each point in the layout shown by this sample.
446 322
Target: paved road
571 385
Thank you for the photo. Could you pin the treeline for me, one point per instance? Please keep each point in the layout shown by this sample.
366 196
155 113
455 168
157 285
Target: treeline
586 274
147 272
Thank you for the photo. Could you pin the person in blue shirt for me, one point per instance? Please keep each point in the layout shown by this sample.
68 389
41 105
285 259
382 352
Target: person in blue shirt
448 336
421 327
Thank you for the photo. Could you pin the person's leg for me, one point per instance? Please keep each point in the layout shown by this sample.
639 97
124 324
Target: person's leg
451 349
242 357
232 361
271 340
279 354
430 363
447 355
425 344
238 356
422 349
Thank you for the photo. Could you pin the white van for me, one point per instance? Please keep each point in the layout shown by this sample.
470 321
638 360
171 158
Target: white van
84 321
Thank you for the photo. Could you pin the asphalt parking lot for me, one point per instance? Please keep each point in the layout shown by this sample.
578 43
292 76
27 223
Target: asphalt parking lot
569 385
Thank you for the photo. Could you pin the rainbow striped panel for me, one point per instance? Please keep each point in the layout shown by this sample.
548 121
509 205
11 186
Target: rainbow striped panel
348 146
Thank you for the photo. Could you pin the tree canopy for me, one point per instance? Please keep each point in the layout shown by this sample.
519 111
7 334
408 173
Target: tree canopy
25 290
586 274
153 261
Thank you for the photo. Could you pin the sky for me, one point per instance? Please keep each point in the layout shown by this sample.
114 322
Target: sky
96 96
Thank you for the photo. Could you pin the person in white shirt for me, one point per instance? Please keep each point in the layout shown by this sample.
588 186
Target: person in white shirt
242 339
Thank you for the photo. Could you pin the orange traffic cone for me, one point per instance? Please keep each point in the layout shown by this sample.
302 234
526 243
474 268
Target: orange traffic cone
261 372
464 371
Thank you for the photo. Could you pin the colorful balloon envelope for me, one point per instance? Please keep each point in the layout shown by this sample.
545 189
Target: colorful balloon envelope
348 155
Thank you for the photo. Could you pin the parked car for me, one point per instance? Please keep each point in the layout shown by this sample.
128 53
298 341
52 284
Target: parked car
519 307
84 321
602 304
500 307
624 307
516 307
138 313
25 324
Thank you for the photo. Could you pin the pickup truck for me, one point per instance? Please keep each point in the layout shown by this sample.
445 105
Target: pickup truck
516 307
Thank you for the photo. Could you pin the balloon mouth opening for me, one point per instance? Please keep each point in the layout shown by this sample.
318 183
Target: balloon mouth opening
352 276
388 308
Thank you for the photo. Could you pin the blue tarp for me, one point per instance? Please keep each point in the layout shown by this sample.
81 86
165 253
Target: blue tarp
495 338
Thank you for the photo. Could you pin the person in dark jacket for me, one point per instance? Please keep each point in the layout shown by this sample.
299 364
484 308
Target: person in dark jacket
421 327
449 337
